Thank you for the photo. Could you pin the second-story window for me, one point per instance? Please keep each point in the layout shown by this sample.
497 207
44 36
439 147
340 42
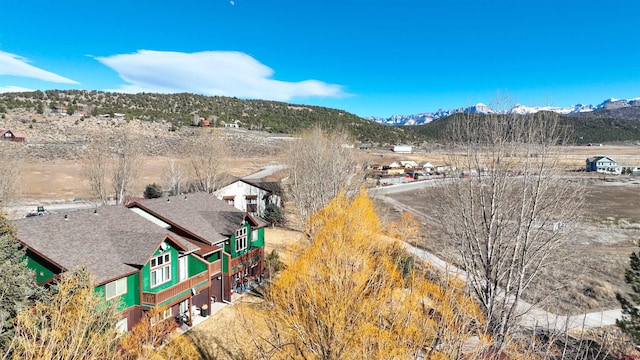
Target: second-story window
115 288
252 203
160 269
241 238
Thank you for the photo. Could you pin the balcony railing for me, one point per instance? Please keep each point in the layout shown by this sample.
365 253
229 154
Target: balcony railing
154 299
252 253
215 267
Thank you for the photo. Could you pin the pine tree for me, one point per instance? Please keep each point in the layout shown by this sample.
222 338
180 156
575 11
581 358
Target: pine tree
630 322
17 286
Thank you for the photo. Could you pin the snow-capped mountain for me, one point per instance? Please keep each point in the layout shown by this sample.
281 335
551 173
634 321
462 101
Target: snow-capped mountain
419 119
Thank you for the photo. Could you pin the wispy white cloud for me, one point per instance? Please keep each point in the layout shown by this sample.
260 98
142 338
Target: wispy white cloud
224 73
11 64
7 89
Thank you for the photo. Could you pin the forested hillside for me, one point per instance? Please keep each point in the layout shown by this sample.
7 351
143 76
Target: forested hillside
272 116
581 129
280 117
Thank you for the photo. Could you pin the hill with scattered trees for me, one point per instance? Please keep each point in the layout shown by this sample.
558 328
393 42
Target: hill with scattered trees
280 117
180 109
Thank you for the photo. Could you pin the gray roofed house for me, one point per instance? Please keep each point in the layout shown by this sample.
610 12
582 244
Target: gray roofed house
109 242
212 221
180 253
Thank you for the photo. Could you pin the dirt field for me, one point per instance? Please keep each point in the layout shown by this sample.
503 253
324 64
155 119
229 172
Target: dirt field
596 256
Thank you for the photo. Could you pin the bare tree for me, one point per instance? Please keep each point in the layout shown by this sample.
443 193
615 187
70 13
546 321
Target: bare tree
207 153
127 161
10 171
95 170
320 166
511 215
174 177
113 165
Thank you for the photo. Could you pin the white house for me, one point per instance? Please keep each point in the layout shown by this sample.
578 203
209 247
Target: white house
403 149
250 195
601 164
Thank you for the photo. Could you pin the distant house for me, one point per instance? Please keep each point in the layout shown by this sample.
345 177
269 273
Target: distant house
409 165
9 135
250 195
428 167
601 164
402 149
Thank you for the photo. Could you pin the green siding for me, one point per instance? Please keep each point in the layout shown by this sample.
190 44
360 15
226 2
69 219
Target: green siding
43 270
195 266
213 257
260 241
131 297
146 272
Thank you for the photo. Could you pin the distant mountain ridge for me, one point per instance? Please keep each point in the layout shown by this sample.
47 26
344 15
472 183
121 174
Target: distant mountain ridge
608 106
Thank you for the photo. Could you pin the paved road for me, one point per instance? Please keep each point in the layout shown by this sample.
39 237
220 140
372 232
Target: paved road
266 171
16 212
530 316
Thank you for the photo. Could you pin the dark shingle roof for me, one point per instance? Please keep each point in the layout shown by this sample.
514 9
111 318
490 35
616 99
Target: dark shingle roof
111 242
201 214
270 186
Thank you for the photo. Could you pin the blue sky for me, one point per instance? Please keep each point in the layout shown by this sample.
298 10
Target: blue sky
368 57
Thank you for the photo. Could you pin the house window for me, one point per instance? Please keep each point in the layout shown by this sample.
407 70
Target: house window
252 203
230 200
241 238
254 235
160 269
183 268
115 288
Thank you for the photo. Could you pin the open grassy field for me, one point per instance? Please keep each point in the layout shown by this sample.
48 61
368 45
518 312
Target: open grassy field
592 268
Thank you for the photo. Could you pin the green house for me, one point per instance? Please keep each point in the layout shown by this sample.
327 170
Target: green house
177 253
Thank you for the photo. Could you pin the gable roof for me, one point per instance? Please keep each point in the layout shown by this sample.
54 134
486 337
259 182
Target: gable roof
598 158
269 186
15 134
201 214
110 242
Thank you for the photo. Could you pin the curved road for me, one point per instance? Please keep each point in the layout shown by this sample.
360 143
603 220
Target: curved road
530 316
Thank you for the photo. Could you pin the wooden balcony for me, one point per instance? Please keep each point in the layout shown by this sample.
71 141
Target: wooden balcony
154 299
253 253
215 267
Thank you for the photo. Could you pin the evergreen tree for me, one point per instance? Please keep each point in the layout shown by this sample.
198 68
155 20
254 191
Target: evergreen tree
630 321
17 286
273 214
153 191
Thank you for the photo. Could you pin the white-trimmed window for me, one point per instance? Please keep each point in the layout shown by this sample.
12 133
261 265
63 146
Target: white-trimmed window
160 269
183 268
254 235
241 238
115 288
